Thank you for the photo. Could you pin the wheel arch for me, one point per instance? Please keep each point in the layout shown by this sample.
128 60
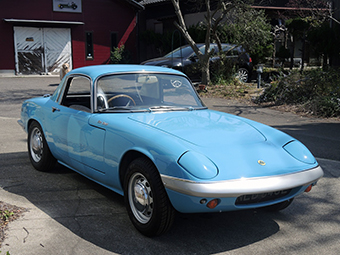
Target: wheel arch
30 121
128 157
39 153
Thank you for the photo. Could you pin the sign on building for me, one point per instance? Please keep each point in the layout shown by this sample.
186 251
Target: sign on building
67 6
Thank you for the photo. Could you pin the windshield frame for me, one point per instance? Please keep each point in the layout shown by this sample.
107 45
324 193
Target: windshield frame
148 108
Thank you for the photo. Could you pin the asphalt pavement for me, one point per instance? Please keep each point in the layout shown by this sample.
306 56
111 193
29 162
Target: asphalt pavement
68 214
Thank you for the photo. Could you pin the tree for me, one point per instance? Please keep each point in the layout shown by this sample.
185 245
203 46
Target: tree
316 10
310 14
325 41
212 21
250 28
298 29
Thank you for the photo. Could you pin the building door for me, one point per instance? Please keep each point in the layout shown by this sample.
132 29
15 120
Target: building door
41 50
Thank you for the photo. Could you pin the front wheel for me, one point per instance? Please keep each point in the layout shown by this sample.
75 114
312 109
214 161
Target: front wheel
38 151
146 200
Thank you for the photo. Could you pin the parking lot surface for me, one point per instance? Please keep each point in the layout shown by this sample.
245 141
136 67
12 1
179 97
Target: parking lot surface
68 214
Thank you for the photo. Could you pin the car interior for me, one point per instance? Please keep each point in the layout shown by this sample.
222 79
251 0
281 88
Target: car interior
128 90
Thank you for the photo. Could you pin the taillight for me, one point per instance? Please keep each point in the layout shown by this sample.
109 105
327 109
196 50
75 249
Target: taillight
250 60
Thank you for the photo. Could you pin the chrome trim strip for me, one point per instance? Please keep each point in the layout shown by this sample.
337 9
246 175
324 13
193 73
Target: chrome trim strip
243 186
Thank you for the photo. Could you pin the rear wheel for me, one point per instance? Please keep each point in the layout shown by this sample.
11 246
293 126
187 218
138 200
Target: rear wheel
279 206
38 151
243 74
146 200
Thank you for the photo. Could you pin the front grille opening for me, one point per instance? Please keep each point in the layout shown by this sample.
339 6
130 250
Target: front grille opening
262 197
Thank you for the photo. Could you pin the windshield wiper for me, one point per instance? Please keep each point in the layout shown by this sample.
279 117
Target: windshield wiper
171 108
116 108
150 109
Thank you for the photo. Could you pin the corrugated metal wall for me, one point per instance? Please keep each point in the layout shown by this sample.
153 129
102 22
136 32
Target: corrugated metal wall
41 50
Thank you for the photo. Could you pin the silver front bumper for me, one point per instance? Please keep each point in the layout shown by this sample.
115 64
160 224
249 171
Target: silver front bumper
243 186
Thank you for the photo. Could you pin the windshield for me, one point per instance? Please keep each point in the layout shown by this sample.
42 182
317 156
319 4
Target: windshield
183 51
145 92
187 51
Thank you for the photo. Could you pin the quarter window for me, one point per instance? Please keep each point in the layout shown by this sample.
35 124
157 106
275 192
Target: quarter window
77 94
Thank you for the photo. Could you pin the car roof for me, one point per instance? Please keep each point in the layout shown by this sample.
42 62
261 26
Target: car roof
225 46
98 70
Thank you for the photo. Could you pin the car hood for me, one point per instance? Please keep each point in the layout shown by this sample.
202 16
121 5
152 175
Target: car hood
239 148
203 128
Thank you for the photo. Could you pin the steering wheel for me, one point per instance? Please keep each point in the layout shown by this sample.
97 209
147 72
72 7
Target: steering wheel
122 95
103 101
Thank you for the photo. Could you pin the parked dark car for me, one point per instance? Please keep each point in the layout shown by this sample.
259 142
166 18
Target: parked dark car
184 59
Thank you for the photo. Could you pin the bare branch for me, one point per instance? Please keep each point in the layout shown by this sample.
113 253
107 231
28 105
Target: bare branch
334 19
183 28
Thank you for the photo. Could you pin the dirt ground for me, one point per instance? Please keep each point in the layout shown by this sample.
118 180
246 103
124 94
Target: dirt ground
247 93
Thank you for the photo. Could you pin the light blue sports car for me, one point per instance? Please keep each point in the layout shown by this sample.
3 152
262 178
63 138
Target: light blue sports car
143 132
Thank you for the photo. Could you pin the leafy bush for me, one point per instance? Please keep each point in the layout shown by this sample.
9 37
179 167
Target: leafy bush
222 70
120 56
317 91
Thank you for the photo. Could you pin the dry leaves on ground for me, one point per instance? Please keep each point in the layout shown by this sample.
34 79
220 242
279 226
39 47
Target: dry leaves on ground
8 213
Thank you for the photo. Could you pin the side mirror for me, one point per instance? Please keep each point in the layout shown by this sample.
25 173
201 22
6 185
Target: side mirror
193 58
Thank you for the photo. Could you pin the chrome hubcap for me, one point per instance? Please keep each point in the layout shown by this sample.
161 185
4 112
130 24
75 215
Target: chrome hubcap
140 198
36 145
242 75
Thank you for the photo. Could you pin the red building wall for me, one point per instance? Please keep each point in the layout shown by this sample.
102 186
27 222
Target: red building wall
101 17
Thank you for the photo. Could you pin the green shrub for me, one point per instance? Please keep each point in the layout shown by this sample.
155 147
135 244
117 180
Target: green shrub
317 91
120 56
222 71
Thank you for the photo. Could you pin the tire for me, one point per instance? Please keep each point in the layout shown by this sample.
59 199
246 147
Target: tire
279 206
38 151
243 74
146 200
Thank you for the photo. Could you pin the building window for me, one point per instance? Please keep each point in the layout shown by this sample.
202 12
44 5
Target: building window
114 41
89 45
159 28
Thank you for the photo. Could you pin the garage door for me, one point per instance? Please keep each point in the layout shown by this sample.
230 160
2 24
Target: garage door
41 50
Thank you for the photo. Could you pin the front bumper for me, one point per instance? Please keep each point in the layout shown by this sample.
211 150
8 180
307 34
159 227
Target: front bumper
188 196
243 186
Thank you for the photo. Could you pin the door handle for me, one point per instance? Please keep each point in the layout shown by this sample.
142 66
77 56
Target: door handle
55 109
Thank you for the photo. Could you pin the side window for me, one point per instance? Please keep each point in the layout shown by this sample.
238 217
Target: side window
234 52
77 94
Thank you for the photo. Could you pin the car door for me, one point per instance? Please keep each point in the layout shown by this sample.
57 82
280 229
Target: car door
78 144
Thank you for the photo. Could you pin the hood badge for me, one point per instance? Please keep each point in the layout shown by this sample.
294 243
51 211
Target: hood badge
261 162
102 122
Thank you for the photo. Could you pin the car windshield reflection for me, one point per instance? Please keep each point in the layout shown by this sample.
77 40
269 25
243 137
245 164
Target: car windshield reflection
146 92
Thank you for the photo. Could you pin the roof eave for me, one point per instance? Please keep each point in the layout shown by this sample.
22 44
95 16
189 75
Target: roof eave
136 4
